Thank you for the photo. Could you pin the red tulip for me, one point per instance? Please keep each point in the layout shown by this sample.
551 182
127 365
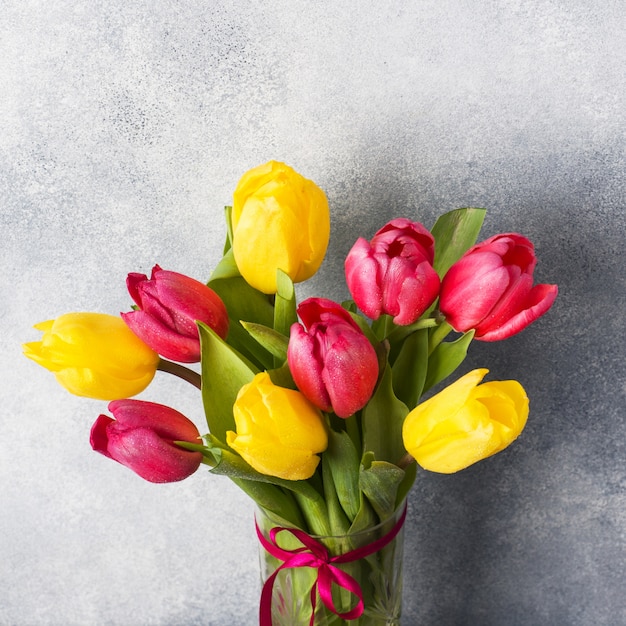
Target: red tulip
332 362
142 436
393 272
169 306
490 289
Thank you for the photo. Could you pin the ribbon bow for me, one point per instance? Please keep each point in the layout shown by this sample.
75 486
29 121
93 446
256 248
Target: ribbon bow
315 554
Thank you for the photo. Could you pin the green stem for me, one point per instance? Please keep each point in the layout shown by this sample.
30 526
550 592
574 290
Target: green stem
438 335
399 333
427 322
181 371
383 326
315 512
354 432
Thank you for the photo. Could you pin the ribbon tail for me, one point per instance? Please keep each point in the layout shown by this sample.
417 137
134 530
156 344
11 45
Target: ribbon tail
313 604
329 574
265 609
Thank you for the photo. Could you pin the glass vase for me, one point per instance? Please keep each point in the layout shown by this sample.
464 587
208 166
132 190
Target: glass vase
295 565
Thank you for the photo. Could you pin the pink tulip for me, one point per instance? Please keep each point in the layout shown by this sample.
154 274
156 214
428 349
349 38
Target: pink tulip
142 436
490 289
332 362
393 272
169 306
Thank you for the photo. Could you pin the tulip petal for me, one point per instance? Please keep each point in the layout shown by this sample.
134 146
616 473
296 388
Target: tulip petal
490 289
279 432
149 456
94 355
189 300
471 288
295 225
142 436
417 293
511 301
457 450
167 422
98 437
163 339
465 422
364 277
332 363
170 305
350 370
449 400
393 273
303 363
295 465
540 299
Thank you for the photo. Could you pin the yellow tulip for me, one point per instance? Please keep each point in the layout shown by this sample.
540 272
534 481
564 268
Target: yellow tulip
465 423
279 432
94 355
280 220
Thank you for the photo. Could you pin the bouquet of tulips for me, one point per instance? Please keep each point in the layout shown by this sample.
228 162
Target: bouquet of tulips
314 409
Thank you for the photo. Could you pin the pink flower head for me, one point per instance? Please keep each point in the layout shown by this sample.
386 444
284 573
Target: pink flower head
490 289
142 436
332 362
169 306
393 272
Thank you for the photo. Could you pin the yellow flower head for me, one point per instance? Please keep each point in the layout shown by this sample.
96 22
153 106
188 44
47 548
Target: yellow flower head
465 423
280 220
279 432
94 355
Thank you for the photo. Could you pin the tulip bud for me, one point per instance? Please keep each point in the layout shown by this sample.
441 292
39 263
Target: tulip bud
490 289
465 423
280 220
169 306
142 436
393 272
331 362
279 432
94 355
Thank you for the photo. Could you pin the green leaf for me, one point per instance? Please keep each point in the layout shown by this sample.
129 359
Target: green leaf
366 329
273 341
343 461
410 367
446 357
349 305
270 497
365 518
379 481
285 305
338 521
410 472
228 213
247 346
312 505
224 372
383 326
243 301
226 268
455 232
282 377
382 419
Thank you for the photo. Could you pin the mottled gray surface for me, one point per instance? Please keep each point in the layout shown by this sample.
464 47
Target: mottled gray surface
124 127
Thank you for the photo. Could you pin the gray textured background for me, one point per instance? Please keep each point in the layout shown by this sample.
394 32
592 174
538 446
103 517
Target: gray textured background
124 127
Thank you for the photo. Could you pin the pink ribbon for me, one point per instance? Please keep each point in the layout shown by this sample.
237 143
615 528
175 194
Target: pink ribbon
314 554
